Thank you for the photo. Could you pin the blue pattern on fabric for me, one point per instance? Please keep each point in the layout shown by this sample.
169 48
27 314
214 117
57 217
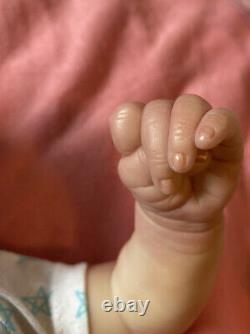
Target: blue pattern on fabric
5 318
39 303
82 308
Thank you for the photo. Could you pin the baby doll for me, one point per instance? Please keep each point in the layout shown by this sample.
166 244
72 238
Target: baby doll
181 162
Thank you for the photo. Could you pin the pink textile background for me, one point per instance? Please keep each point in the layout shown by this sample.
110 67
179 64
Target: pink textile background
64 66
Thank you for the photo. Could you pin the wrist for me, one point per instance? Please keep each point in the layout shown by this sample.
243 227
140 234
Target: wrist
158 234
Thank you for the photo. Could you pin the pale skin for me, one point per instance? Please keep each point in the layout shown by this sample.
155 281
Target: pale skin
172 257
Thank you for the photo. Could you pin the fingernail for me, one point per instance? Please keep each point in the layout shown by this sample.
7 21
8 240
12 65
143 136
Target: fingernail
206 133
179 161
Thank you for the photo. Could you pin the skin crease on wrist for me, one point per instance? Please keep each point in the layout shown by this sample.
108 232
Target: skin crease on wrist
158 238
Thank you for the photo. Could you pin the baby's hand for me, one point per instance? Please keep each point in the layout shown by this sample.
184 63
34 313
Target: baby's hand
180 159
172 256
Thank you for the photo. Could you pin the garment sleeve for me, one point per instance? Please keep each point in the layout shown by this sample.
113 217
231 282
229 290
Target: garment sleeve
40 296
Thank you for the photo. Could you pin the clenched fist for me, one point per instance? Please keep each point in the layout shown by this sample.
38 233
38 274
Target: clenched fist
180 159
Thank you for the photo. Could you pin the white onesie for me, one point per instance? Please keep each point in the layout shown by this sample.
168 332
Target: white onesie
42 297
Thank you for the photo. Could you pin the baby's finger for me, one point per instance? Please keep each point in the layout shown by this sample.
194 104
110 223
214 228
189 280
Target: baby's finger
125 127
220 126
133 170
154 134
185 116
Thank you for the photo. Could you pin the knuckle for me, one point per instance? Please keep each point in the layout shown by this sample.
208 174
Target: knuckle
121 117
180 130
153 123
159 104
219 118
152 126
126 105
156 103
159 160
117 118
123 110
191 99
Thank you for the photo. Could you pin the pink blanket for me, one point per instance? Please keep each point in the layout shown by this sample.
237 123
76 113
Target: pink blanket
64 66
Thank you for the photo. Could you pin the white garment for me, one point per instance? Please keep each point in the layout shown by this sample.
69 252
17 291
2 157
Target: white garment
42 297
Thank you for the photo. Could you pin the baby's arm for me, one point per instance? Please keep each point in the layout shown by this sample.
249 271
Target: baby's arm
177 285
172 256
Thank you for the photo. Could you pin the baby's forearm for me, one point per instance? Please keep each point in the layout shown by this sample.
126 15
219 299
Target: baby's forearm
174 270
